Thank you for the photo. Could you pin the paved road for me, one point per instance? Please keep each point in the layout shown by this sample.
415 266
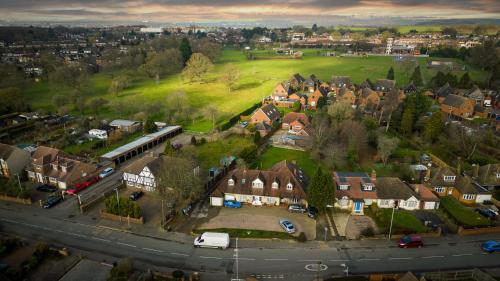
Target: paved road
292 262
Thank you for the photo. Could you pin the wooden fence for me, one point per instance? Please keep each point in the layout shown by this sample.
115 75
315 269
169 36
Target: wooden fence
109 216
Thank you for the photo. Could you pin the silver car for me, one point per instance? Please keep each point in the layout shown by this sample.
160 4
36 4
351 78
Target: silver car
287 226
296 209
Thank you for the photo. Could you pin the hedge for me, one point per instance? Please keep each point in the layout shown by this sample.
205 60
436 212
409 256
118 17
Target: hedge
233 120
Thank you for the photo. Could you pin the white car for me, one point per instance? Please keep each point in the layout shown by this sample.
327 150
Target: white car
106 172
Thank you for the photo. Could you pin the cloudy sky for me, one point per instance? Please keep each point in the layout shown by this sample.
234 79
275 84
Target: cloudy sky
240 10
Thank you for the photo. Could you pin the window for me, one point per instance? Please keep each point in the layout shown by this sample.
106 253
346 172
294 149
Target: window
384 202
275 185
468 196
449 178
230 182
270 200
367 187
289 186
344 187
498 175
411 204
439 189
295 200
257 183
243 181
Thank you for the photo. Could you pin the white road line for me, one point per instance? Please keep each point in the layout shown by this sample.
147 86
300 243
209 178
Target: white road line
312 260
125 244
339 260
368 259
245 259
408 258
432 257
76 234
205 257
180 254
275 259
153 250
100 239
461 255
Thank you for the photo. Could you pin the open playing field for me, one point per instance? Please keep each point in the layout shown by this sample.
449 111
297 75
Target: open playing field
257 79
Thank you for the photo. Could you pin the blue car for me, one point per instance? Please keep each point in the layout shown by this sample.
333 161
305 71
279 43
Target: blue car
232 204
491 246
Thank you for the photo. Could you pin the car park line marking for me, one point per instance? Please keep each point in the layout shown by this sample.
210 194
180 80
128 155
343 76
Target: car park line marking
100 239
125 244
180 254
368 259
153 250
205 257
407 258
461 255
432 257
275 259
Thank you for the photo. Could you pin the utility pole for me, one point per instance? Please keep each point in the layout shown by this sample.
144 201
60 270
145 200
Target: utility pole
162 216
394 205
118 203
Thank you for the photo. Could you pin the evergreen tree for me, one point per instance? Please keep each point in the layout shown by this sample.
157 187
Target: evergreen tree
257 138
150 127
314 194
169 149
390 74
407 122
185 48
434 126
416 77
321 102
297 106
465 81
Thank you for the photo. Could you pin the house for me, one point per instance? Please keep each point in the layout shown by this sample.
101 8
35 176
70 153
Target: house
369 99
284 183
477 95
267 114
313 99
441 180
126 126
298 97
53 166
354 191
295 122
346 95
468 192
481 111
297 81
428 200
311 84
13 160
384 85
392 192
145 172
487 176
443 92
410 88
280 92
458 106
339 82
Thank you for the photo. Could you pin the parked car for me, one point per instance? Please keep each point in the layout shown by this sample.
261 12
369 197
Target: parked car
312 212
491 246
244 124
46 188
212 240
486 213
106 172
287 226
232 204
52 201
81 186
296 209
410 242
134 196
187 210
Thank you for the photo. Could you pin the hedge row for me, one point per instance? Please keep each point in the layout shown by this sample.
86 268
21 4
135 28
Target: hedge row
231 122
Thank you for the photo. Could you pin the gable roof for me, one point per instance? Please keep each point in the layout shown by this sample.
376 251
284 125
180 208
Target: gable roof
455 100
340 81
6 150
296 116
488 175
384 85
355 180
476 94
298 78
44 155
444 91
467 186
366 92
122 122
437 177
394 188
270 111
425 193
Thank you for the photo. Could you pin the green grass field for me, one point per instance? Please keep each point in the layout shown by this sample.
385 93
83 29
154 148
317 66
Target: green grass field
209 154
404 221
273 155
257 79
462 214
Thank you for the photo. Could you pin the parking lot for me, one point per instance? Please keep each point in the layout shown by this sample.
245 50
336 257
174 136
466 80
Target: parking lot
261 218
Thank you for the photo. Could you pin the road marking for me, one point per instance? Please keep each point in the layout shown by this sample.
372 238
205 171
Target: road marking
461 255
180 254
407 258
432 257
205 257
275 259
125 244
153 250
76 234
368 259
312 260
100 239
244 259
339 260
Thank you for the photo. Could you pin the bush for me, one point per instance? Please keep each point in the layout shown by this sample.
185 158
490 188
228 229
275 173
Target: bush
178 274
302 237
368 232
193 140
203 141
122 270
126 207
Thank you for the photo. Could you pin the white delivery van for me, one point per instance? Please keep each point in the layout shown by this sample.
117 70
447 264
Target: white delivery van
212 240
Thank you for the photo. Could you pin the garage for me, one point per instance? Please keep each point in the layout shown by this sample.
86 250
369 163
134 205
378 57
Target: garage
216 201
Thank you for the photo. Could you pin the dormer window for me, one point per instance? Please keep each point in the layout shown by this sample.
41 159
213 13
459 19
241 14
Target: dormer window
367 187
498 175
289 186
449 178
230 182
257 183
275 185
243 181
344 187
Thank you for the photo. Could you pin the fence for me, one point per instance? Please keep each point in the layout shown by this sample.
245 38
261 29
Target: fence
113 217
90 201
474 274
480 230
25 201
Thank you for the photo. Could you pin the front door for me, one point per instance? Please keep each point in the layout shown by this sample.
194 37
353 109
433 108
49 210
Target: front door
256 201
357 207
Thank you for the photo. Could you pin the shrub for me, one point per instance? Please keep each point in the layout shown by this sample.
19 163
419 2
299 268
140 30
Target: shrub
122 270
302 237
203 141
193 140
368 232
178 274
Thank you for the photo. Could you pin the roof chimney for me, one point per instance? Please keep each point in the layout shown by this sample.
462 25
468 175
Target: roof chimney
373 176
475 170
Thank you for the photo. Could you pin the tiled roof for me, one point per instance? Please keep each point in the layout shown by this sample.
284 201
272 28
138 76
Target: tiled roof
296 116
393 188
355 180
454 100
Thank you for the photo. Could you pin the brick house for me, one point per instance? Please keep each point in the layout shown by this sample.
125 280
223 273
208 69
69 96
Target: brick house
441 180
311 84
369 99
339 82
280 92
443 92
298 97
312 100
267 114
284 183
354 191
297 82
458 106
346 95
295 122
384 86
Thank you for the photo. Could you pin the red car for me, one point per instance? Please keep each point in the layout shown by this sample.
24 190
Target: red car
81 186
410 242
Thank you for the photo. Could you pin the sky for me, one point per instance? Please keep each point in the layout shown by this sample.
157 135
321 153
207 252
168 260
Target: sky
242 10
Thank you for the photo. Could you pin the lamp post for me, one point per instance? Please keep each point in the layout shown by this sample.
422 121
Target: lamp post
394 206
118 203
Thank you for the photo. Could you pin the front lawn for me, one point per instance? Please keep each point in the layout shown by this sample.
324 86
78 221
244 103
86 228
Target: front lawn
209 154
463 215
404 221
248 233
273 155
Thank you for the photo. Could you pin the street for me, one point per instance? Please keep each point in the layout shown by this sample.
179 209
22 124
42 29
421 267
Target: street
293 261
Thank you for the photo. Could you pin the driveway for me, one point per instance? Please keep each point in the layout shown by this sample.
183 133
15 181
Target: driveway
261 218
340 219
356 224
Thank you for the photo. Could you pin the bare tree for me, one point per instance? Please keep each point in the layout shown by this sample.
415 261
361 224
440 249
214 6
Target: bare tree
179 179
386 147
465 139
197 66
391 102
341 111
354 136
211 112
230 76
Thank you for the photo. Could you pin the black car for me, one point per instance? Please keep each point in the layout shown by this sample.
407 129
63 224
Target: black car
46 188
52 201
486 213
136 195
187 210
312 212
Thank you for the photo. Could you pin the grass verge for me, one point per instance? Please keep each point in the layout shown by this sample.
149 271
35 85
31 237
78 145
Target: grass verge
248 233
461 214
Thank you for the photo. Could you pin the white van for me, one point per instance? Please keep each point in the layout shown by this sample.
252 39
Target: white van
212 240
